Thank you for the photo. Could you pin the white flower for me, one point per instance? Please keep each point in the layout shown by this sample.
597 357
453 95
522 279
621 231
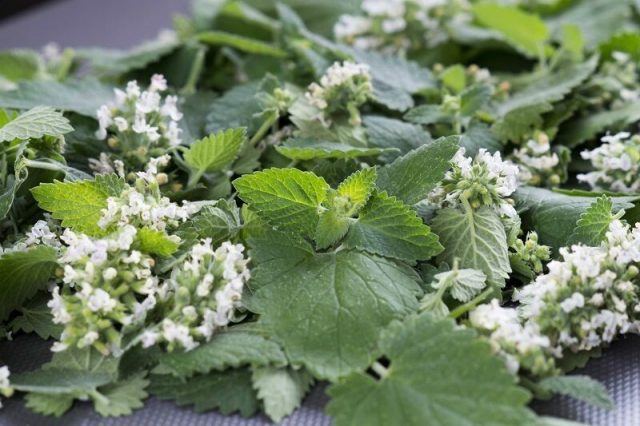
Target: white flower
170 108
100 300
57 306
158 83
149 338
350 25
575 301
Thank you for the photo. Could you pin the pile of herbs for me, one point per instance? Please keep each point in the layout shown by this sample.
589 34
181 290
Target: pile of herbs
429 207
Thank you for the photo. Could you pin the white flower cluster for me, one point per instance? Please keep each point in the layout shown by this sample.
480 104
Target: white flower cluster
344 87
520 345
616 163
205 293
106 287
139 124
144 206
5 386
396 26
584 301
40 234
485 180
539 165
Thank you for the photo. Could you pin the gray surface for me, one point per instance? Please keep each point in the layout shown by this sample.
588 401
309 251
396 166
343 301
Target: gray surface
121 24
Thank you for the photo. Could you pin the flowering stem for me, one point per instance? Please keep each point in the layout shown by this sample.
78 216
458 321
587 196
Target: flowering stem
264 128
194 178
462 309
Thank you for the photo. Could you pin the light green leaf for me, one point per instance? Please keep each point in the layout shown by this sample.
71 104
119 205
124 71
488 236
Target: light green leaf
14 181
628 43
524 31
34 124
474 98
19 64
433 304
464 284
236 347
156 242
220 222
216 151
454 78
320 306
412 176
358 187
554 215
122 397
332 227
391 97
428 114
310 149
281 390
390 228
582 388
289 199
594 223
22 274
78 204
59 381
438 374
244 44
48 405
477 239
81 96
228 391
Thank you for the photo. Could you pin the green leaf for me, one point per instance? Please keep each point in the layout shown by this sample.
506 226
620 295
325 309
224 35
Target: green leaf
78 204
321 307
35 316
465 283
477 239
281 390
236 108
23 274
19 64
586 128
358 187
236 347
594 223
474 98
13 182
227 391
391 97
244 44
438 374
428 114
412 176
81 96
122 397
34 124
286 198
554 215
524 31
582 388
332 227
310 149
151 241
384 132
390 228
628 43
523 110
396 72
55 381
220 222
215 152
479 135
48 405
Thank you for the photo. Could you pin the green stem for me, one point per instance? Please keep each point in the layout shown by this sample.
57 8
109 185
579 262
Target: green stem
196 70
264 128
463 309
194 178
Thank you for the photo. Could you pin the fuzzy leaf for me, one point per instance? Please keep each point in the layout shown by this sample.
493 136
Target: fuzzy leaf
593 223
286 198
438 374
22 274
586 128
216 151
48 405
233 348
384 132
244 44
34 124
35 316
219 222
227 391
465 285
281 390
155 242
81 96
582 388
477 239
320 306
122 397
390 228
412 176
310 149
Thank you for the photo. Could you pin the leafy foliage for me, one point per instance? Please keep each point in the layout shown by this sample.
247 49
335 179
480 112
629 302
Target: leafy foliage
447 373
593 223
582 388
281 390
34 124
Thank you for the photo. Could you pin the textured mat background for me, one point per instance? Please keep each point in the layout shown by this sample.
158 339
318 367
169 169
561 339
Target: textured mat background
121 24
